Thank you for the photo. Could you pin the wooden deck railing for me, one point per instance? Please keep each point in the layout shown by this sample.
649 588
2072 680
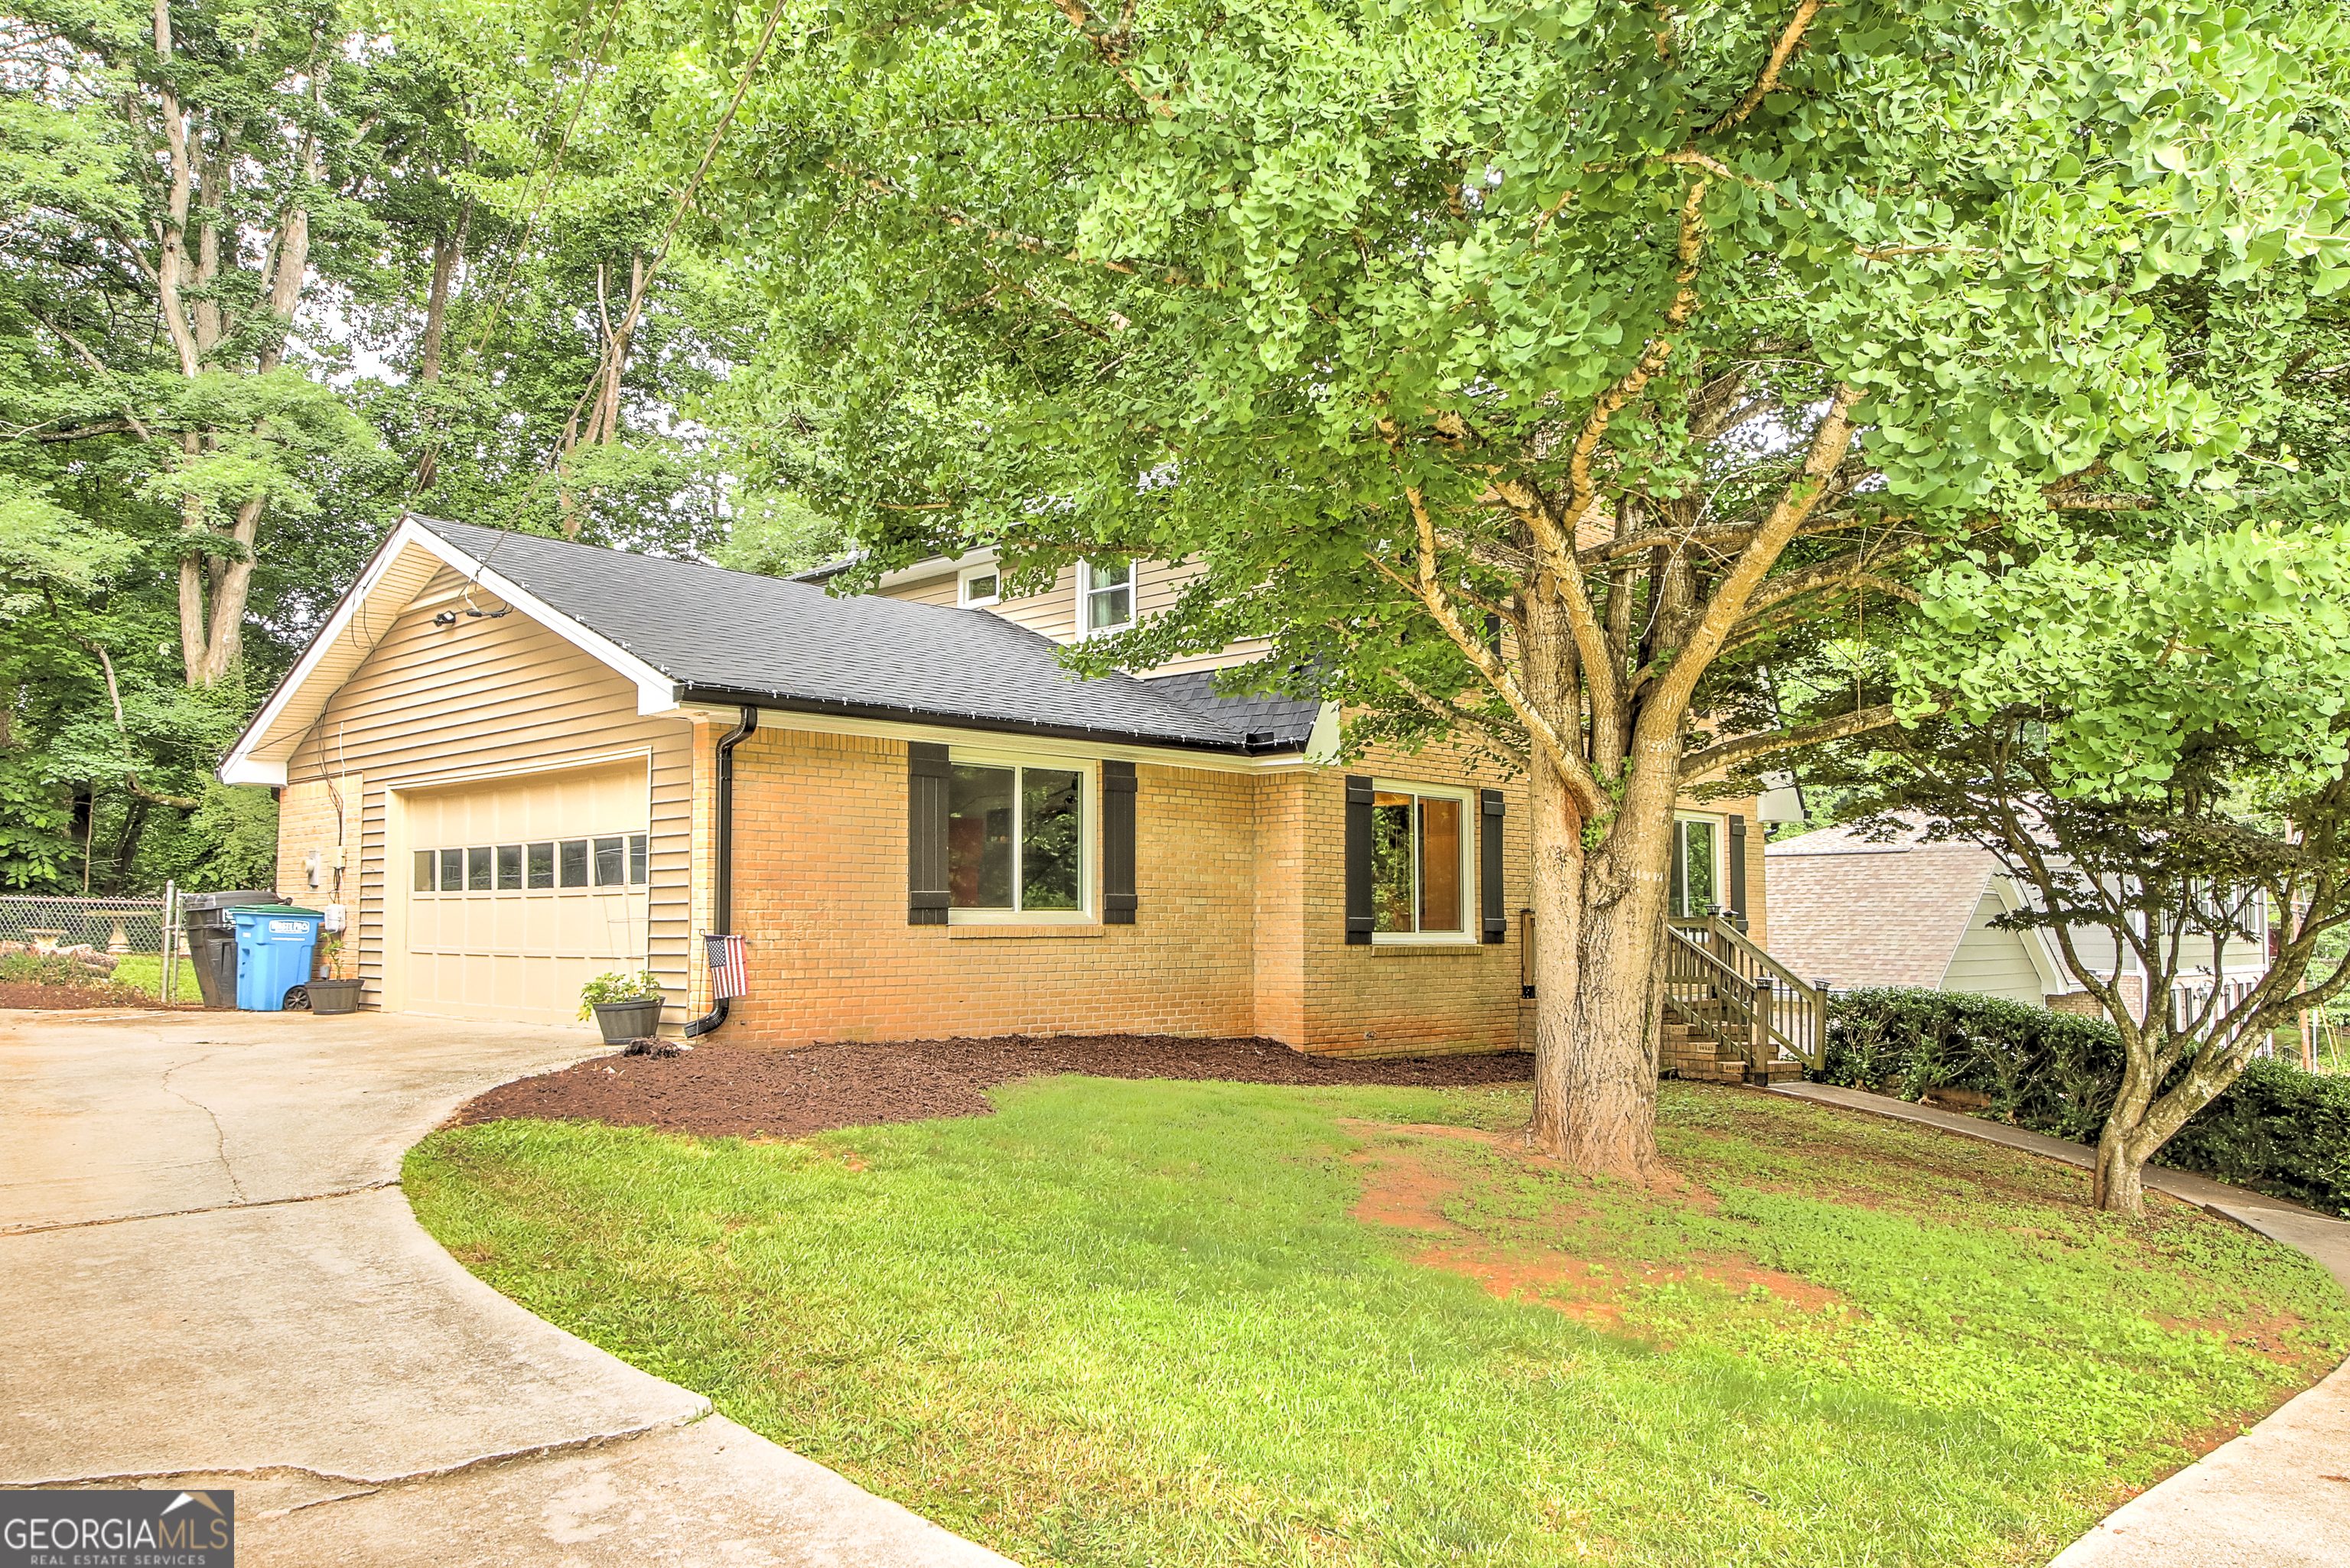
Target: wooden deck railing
1721 984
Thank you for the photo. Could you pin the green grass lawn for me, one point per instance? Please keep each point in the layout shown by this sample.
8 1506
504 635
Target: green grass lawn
144 971
1159 1324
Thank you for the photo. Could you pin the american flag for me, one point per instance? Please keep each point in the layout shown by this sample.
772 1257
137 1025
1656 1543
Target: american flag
728 974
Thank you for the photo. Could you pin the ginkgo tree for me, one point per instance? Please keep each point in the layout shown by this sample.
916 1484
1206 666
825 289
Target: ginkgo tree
1526 372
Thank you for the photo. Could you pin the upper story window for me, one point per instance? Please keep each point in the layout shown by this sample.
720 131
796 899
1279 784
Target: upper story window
1419 862
1016 839
1697 889
1104 596
980 585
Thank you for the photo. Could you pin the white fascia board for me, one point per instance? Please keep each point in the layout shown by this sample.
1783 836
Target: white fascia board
250 770
931 567
240 766
656 692
997 740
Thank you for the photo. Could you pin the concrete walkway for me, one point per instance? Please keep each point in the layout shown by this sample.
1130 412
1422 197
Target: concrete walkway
213 1280
2276 1496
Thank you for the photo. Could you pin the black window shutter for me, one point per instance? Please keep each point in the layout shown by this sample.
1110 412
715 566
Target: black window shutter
1489 863
1118 792
926 774
1738 869
1358 861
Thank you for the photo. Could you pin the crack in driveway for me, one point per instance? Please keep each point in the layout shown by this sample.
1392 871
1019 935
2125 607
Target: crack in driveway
376 1483
220 1133
6 1231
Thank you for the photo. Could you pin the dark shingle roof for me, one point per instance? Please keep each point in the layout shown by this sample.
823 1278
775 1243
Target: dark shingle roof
1271 723
731 635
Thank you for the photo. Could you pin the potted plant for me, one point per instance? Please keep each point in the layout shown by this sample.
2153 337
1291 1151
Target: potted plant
627 1006
335 989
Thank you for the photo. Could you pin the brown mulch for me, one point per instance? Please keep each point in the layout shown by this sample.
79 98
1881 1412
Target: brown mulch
32 993
730 1091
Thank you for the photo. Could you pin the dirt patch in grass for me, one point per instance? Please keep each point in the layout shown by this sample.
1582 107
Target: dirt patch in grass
731 1091
1406 1191
2268 1336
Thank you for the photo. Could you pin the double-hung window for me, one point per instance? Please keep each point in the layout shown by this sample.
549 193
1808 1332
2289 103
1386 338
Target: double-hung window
1419 863
979 585
1018 836
1697 885
1104 596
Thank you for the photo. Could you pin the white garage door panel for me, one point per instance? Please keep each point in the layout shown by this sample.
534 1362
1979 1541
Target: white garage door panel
522 954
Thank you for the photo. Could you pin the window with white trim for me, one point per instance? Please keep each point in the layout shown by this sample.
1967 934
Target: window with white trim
1019 838
1420 876
980 585
1104 596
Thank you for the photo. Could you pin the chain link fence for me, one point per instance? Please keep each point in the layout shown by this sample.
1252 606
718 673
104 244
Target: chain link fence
96 943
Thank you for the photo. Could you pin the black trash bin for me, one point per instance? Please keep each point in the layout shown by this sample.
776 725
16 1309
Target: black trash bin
211 940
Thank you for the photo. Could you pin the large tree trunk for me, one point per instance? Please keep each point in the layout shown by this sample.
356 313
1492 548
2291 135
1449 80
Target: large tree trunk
1557 897
1605 1011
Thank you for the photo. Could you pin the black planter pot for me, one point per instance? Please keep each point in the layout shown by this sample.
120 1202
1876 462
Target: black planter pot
622 1021
334 995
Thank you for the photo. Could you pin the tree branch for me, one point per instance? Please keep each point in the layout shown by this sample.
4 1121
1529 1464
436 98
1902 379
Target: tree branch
1788 39
1689 247
1716 758
129 777
1731 595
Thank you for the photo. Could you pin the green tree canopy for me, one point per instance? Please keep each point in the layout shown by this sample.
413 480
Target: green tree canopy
1653 342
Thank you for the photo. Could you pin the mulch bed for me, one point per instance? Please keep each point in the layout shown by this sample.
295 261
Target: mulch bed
32 993
728 1091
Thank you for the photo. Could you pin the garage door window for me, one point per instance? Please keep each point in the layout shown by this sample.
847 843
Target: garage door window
613 860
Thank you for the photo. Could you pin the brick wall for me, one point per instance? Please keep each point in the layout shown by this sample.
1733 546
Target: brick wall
820 895
1430 1000
2081 1005
1241 929
305 822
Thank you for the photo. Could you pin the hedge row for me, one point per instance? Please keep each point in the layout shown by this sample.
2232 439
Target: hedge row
2277 1129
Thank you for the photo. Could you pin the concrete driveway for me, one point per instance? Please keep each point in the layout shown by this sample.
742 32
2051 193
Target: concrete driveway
213 1280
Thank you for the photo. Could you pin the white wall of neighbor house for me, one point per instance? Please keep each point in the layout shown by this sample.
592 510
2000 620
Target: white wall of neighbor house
1990 962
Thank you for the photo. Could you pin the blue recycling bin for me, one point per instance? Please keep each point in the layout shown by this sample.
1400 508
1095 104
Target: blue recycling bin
273 954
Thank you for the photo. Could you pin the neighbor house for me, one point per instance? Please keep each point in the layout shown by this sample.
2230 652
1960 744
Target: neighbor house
519 763
1855 909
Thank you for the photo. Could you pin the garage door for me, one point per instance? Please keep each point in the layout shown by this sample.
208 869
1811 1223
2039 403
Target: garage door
521 892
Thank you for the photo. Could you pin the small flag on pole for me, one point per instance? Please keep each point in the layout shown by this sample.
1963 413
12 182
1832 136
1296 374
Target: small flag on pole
729 976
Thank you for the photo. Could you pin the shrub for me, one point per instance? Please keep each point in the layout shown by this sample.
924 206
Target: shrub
36 968
617 986
26 967
2276 1130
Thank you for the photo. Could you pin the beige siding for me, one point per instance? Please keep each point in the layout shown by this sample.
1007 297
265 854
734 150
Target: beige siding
1993 962
436 705
928 591
1053 613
